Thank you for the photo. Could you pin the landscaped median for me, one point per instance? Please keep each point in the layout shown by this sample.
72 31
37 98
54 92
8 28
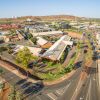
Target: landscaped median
64 73
48 70
60 79
67 71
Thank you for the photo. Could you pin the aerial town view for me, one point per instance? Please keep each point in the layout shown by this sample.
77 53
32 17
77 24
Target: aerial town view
49 50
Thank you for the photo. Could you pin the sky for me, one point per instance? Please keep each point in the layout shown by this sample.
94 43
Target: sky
84 8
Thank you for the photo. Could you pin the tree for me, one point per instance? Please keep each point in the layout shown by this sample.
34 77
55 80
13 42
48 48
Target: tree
14 95
23 57
10 50
29 36
34 40
2 49
79 45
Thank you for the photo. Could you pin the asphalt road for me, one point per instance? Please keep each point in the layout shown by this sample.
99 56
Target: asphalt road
61 91
89 90
54 92
27 89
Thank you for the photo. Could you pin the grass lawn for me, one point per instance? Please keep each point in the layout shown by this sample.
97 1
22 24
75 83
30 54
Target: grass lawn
59 71
74 30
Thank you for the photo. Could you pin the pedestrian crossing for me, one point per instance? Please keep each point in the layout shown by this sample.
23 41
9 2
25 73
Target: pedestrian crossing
54 95
61 91
51 94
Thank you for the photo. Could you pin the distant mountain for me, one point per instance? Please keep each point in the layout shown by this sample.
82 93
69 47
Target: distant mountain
44 18
57 17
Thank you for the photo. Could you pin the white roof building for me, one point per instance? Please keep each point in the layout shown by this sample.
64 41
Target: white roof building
47 33
41 41
56 50
34 50
4 32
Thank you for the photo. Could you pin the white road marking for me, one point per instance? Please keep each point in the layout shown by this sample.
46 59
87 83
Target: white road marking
88 93
94 79
81 98
77 90
68 86
62 90
52 96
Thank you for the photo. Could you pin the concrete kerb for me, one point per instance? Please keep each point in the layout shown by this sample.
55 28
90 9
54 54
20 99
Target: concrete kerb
13 70
65 77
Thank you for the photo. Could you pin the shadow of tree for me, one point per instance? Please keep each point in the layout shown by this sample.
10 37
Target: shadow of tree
21 82
26 84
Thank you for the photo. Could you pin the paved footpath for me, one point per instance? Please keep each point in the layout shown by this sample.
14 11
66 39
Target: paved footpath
69 57
15 71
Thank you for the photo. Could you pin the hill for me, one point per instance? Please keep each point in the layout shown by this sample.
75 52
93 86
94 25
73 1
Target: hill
39 18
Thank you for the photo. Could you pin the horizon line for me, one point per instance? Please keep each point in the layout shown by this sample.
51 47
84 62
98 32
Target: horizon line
48 15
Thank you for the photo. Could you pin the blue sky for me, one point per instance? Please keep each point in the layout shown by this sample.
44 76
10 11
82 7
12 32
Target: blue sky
86 8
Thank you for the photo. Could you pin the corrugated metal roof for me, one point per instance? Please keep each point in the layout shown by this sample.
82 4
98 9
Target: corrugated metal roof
41 41
47 33
34 50
56 50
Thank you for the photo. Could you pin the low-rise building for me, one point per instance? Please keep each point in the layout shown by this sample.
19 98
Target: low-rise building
10 37
34 50
43 43
47 33
38 28
2 35
9 26
56 50
47 45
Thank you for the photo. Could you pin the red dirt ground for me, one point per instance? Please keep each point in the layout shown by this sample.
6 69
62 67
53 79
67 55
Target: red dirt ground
4 94
74 35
